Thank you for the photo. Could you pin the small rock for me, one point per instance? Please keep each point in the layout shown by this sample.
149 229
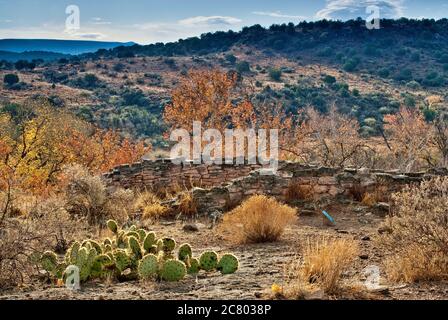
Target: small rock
167 223
258 295
190 228
364 256
365 238
342 231
382 290
317 295
382 208
382 230
307 213
110 290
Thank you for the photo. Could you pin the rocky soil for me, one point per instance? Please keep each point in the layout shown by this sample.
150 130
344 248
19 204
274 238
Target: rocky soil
261 265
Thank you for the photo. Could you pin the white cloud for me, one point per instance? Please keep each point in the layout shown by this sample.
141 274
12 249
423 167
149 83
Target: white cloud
277 14
210 20
89 36
185 28
349 9
100 21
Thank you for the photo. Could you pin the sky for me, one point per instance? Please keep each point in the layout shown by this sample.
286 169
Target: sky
150 21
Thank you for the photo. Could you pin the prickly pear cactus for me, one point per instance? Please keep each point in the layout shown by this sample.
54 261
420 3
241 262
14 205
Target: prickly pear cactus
71 255
159 245
149 242
208 261
228 264
112 225
100 265
121 240
133 254
173 270
168 244
133 234
49 262
141 234
148 267
107 241
134 247
193 266
122 261
96 246
185 252
153 250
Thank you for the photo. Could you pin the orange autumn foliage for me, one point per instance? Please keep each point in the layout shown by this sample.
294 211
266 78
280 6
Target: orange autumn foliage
207 96
34 151
102 150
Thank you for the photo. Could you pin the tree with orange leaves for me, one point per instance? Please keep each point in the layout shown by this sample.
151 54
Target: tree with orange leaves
101 151
34 151
208 96
409 137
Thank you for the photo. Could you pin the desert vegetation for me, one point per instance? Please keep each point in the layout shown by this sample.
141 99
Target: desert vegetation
417 233
375 113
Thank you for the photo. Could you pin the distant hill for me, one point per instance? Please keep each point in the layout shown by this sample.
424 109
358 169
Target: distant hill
31 55
73 47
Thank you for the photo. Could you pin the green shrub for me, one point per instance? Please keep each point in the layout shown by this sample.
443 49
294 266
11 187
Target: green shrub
243 67
11 79
275 74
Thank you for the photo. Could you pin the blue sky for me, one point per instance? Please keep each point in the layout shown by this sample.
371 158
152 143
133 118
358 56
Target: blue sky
168 20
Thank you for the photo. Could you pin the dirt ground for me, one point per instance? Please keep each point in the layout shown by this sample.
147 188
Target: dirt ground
261 265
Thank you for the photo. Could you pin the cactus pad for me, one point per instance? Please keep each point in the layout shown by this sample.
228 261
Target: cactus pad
148 266
228 264
185 252
208 261
112 226
173 270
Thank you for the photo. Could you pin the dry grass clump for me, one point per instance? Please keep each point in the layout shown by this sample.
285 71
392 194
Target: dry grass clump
417 243
16 242
187 204
297 191
87 196
321 267
258 219
379 194
150 205
23 240
357 192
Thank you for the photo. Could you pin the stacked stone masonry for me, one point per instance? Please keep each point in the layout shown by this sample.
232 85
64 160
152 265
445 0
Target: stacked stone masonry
221 187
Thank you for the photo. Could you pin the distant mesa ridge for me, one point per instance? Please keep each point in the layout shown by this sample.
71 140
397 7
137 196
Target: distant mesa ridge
68 47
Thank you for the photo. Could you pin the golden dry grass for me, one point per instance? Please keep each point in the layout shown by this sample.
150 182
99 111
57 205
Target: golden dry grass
297 191
150 206
417 244
187 204
414 264
324 262
258 219
379 194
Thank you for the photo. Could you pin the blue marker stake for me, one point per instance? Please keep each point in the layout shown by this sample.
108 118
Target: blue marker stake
328 216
